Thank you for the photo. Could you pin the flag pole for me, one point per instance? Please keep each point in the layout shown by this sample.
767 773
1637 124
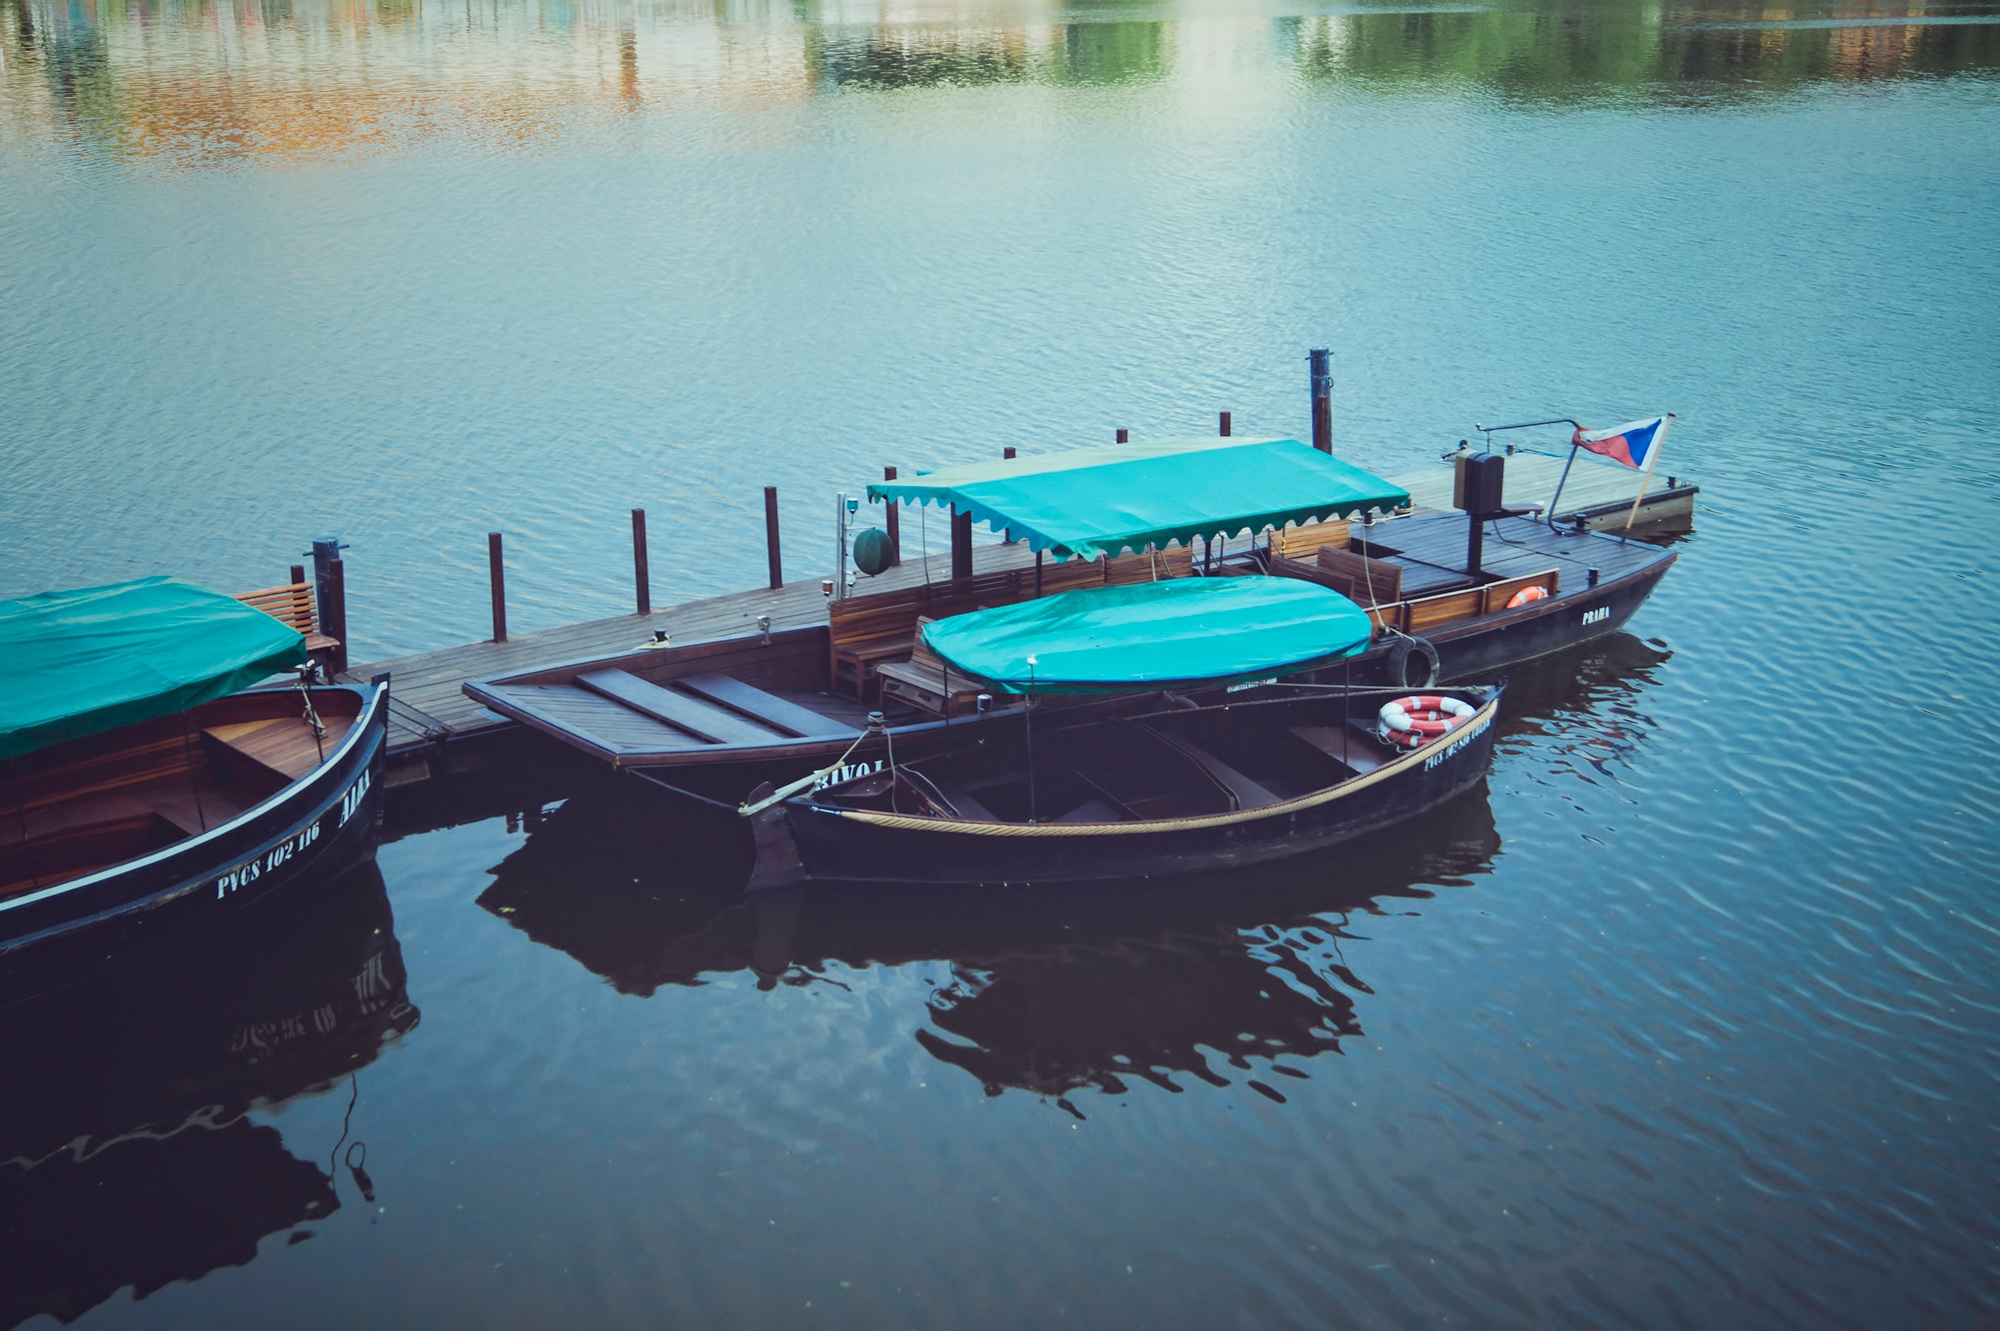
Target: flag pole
1550 516
1651 462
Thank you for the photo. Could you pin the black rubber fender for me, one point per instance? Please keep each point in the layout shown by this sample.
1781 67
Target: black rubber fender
1407 652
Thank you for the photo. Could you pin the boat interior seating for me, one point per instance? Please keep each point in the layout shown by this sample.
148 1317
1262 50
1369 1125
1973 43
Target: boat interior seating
715 708
78 807
925 683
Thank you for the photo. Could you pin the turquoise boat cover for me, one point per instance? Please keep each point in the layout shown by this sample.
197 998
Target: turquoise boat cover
1153 635
1093 501
82 662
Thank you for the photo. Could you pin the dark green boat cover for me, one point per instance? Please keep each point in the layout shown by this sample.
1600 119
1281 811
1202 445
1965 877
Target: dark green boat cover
82 662
1153 635
1093 501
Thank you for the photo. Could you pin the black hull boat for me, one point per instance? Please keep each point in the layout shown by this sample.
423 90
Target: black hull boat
1451 598
166 823
144 784
1277 772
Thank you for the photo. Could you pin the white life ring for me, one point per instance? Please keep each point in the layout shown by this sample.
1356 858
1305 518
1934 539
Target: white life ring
1417 720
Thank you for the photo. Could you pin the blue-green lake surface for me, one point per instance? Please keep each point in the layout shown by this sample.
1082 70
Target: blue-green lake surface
1689 1018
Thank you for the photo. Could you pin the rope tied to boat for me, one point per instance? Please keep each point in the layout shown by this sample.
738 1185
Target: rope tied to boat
876 725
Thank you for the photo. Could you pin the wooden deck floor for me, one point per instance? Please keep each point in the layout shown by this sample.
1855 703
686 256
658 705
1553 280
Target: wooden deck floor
429 711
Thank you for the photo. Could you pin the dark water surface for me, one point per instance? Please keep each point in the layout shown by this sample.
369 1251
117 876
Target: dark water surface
1687 1018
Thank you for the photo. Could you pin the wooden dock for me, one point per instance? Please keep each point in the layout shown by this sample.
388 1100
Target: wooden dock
435 729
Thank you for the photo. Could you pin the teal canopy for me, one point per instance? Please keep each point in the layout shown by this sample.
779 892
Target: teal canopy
1093 501
78 663
1153 635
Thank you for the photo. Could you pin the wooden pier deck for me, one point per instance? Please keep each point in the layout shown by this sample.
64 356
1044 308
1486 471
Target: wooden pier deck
434 728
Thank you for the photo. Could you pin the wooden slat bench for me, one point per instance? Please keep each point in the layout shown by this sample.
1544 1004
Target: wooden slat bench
868 630
1307 541
927 684
293 604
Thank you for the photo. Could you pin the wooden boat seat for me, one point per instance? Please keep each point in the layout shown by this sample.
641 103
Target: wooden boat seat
1096 810
1355 747
293 604
705 721
924 683
959 800
768 708
1244 792
281 747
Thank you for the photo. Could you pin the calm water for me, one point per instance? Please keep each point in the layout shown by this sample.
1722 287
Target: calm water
1688 1018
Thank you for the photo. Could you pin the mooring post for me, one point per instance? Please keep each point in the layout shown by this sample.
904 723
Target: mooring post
1124 436
499 577
298 574
333 614
1007 454
961 543
892 522
771 536
1224 422
329 601
641 574
1322 399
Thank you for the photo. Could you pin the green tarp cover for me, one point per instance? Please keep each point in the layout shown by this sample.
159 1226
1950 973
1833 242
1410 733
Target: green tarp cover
1093 501
1153 635
78 663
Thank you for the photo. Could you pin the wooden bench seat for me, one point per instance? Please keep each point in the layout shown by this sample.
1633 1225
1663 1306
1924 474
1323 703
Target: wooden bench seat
1246 793
1372 581
293 604
768 708
705 721
927 684
1307 541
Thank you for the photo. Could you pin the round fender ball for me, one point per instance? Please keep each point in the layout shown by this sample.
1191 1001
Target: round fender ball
871 551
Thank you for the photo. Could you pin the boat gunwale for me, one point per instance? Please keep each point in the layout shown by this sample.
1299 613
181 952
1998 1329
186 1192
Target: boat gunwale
374 698
1482 720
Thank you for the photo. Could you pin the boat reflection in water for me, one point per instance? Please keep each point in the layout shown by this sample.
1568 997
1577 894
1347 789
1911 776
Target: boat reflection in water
1061 990
133 1160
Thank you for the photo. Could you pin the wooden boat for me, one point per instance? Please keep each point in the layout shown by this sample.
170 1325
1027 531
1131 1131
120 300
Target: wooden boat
142 785
716 718
1175 787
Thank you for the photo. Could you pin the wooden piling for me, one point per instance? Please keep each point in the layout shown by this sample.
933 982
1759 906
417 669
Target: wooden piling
892 522
498 575
1007 454
641 576
1124 436
333 614
771 536
961 544
1224 423
1322 399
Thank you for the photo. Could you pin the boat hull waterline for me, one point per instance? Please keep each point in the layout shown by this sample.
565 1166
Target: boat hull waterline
325 822
809 839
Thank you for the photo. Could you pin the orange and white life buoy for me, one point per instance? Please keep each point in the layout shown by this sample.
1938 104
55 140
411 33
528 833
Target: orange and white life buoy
1417 720
1527 596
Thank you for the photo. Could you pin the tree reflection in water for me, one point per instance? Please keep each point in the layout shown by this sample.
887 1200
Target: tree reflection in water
1057 991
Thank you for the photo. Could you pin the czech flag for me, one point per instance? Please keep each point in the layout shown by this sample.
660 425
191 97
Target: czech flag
1632 443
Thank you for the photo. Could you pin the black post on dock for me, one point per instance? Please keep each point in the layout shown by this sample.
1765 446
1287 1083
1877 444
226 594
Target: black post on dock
329 593
771 536
494 564
961 544
333 613
1124 436
1322 397
1006 455
1224 424
892 521
641 575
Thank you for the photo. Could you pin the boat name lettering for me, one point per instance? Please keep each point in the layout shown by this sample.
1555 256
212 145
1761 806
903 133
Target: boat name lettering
1251 684
1444 754
351 801
1597 616
847 772
250 871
